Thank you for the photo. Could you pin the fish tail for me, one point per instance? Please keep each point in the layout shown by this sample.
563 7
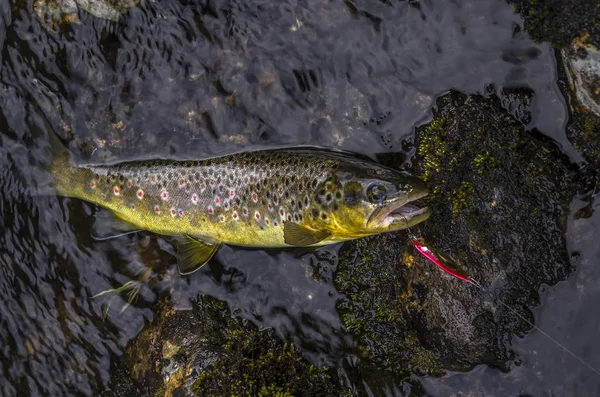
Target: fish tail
60 166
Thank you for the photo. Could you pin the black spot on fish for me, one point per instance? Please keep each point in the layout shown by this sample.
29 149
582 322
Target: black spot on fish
287 194
328 197
314 183
323 216
299 205
315 212
338 195
322 192
335 206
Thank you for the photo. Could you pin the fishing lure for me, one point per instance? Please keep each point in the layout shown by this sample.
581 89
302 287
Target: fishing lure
441 260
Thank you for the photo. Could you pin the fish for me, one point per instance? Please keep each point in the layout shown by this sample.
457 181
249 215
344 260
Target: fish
265 198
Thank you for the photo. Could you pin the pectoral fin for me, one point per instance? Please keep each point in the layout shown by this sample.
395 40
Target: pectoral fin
300 236
192 254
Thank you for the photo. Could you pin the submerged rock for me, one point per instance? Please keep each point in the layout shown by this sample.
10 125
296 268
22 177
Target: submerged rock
582 62
499 196
66 11
206 352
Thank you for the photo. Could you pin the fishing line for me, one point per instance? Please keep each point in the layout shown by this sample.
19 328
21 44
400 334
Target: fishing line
449 267
114 235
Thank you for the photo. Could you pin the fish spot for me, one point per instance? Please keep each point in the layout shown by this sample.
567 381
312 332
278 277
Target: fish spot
245 211
202 187
222 218
129 183
132 206
226 204
235 216
323 216
246 180
212 182
181 182
257 215
270 206
153 179
281 212
164 195
93 184
254 197
267 221
195 198
338 195
210 209
280 191
217 201
156 209
315 212
140 194
116 191
180 212
289 217
103 195
275 222
232 193
335 206
173 212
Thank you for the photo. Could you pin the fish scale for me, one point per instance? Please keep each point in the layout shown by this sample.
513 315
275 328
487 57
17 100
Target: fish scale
269 198
225 199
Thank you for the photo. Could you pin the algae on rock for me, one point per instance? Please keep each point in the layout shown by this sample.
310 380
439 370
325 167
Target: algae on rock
499 196
206 352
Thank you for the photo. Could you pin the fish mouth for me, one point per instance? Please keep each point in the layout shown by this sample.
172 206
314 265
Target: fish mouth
399 214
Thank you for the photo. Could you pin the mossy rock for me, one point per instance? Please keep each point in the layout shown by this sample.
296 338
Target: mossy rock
560 21
206 352
499 197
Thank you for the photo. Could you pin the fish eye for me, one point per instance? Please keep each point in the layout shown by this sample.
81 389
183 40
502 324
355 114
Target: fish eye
376 193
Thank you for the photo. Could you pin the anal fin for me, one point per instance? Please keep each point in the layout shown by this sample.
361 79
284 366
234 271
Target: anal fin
192 254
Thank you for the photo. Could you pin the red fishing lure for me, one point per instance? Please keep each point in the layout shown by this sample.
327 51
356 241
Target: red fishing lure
441 261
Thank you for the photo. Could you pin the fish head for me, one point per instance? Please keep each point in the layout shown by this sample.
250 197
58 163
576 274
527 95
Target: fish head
377 199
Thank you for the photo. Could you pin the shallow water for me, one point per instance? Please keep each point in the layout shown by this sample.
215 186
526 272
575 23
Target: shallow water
194 79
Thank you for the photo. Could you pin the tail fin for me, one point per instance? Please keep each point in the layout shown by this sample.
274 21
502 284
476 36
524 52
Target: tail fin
58 170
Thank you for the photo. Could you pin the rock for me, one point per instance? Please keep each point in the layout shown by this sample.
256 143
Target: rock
499 196
582 62
206 352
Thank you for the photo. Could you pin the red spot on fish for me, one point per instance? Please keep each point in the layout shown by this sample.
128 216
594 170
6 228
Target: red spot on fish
212 182
132 206
195 198
116 190
140 194
222 218
202 187
245 211
280 191
211 210
173 212
156 209
267 221
164 195
181 182
275 223
231 194
254 197
217 200
257 215
153 179
180 212
282 212
129 183
246 180
93 184
103 195
270 207
235 215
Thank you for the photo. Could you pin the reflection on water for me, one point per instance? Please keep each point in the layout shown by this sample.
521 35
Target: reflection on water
194 79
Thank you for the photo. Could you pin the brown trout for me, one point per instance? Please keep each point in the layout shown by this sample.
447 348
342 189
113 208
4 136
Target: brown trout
268 198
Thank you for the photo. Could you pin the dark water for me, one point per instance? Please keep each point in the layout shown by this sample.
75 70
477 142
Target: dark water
193 79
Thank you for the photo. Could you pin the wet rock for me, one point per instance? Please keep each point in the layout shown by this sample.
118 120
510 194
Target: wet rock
560 21
206 352
582 62
66 11
499 196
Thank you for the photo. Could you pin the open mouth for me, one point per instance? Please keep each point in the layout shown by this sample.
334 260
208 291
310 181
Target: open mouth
409 214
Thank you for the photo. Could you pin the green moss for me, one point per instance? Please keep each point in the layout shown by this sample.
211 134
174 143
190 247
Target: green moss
498 195
560 21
